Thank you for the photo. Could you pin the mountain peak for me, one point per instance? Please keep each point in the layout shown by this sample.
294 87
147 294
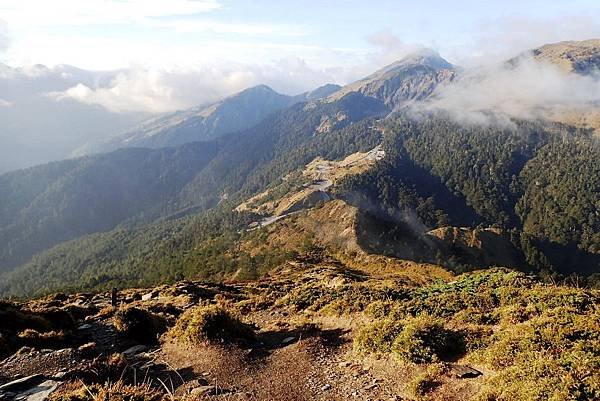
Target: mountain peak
414 77
258 89
424 56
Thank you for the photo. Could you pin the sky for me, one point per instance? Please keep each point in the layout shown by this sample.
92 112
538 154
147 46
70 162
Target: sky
211 48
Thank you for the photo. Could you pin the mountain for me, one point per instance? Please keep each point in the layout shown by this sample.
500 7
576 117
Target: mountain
581 57
319 93
49 204
413 78
342 247
60 126
427 188
45 205
293 336
235 113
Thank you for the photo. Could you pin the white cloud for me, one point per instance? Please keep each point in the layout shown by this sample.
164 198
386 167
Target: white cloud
188 25
4 37
5 103
161 90
498 39
389 47
528 90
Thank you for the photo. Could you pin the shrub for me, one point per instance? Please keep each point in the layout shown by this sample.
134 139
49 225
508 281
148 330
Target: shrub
35 339
139 324
424 383
115 392
378 309
210 323
378 337
424 339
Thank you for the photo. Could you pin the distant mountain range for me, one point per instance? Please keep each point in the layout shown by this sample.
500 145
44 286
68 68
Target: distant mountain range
162 207
37 128
235 113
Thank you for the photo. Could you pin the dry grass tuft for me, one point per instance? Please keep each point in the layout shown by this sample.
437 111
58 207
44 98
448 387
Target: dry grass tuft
210 323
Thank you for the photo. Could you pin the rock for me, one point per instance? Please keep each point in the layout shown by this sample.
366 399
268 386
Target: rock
465 372
288 340
59 375
136 349
371 386
326 387
21 383
88 350
203 390
39 392
149 296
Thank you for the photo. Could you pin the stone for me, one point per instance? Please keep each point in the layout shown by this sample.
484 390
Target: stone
39 392
23 382
136 349
465 372
149 296
202 381
326 387
288 340
203 390
59 375
88 350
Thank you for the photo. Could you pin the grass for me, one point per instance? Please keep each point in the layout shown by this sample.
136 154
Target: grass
540 342
49 339
208 324
422 339
118 391
424 383
139 324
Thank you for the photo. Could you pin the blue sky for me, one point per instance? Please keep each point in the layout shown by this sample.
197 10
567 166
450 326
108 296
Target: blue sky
117 33
177 53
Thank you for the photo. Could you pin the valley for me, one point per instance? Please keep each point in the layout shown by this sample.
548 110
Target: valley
364 241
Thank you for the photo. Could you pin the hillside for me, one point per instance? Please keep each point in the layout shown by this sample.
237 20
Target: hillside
528 190
345 243
236 113
413 78
314 328
580 57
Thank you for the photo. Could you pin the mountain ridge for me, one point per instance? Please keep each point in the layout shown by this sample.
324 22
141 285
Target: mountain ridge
234 113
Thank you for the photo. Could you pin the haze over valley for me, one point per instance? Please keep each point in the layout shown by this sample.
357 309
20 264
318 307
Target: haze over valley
354 203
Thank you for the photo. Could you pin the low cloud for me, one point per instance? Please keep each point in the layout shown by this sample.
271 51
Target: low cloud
496 39
4 38
156 90
527 90
389 47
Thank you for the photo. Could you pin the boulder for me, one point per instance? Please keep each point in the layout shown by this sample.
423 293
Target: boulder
465 372
136 349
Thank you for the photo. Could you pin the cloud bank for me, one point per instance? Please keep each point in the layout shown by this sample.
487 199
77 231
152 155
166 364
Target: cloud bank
4 38
526 90
160 90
